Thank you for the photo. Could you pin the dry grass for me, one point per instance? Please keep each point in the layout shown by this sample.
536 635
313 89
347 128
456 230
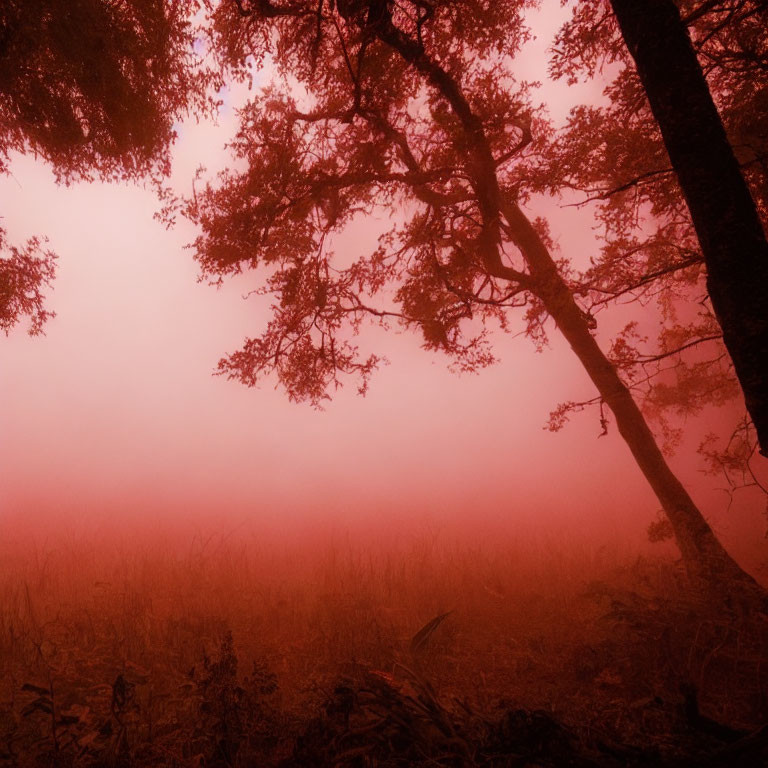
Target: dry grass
602 643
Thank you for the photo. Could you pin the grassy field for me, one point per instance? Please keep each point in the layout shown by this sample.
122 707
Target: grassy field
237 651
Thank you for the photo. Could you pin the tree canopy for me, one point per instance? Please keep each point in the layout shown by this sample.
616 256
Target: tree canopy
93 88
375 132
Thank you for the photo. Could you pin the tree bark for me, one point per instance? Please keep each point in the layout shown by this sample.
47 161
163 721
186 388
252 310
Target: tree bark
724 214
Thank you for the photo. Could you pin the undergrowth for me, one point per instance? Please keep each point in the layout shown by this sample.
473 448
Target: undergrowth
230 655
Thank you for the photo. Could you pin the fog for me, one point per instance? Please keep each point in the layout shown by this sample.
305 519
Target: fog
114 417
196 573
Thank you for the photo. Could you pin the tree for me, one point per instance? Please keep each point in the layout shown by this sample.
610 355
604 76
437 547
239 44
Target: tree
407 107
615 154
94 88
724 214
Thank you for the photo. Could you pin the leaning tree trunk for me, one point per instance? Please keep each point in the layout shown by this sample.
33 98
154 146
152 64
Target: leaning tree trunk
706 560
724 214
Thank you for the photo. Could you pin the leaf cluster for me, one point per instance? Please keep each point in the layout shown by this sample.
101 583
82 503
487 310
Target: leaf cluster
94 88
24 272
368 115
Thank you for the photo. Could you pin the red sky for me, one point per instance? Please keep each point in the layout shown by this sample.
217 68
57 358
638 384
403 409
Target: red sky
115 412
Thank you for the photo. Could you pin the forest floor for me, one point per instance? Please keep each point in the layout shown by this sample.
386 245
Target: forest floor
236 654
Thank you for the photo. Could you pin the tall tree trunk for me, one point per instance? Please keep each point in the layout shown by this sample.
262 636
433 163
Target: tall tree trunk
724 214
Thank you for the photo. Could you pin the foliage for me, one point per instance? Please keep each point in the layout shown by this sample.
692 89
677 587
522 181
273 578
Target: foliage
369 132
93 88
213 718
235 720
400 721
23 274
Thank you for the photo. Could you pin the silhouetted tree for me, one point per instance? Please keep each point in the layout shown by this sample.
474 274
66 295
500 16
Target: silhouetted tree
407 108
93 87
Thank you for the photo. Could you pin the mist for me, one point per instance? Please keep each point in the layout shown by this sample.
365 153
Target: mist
196 572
